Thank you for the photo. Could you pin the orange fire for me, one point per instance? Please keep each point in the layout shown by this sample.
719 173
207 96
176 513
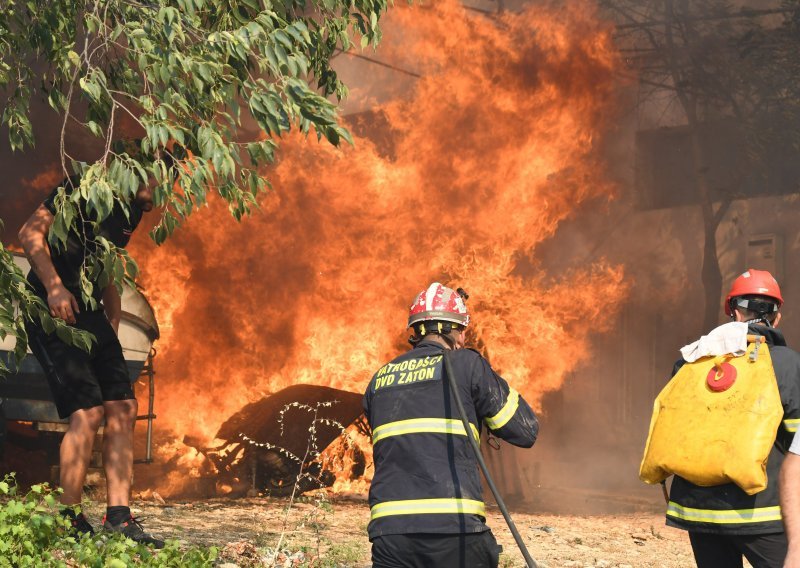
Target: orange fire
459 181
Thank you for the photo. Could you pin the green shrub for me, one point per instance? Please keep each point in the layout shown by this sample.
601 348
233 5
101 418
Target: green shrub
33 533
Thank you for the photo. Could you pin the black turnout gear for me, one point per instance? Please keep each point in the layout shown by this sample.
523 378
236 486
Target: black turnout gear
426 478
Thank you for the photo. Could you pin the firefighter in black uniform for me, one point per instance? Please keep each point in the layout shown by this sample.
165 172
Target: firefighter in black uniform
723 521
425 499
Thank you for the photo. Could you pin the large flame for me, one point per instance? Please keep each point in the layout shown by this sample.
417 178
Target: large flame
477 164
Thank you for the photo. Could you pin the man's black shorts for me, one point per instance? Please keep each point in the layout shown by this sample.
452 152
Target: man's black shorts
80 380
475 550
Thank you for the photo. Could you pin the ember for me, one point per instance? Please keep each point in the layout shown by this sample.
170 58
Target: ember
477 164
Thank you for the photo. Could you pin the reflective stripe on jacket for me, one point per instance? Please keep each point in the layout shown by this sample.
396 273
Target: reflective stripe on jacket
426 477
726 509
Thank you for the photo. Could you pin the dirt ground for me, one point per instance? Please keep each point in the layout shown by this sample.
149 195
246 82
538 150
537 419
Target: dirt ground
331 531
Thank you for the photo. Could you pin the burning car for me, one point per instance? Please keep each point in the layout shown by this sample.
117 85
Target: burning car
275 445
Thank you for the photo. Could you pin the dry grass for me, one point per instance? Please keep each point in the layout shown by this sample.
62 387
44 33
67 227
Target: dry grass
333 531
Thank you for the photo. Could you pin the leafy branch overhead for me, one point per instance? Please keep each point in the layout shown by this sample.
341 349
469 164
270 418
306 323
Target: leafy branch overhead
192 76
189 72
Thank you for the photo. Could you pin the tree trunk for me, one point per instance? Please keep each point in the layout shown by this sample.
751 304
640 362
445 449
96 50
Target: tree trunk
711 275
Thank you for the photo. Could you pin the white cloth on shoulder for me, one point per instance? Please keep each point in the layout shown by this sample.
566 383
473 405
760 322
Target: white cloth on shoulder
729 338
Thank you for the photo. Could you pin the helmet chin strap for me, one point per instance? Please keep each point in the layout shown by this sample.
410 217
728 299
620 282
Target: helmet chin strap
760 319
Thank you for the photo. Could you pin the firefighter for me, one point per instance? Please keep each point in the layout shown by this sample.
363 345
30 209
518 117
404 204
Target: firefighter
425 498
790 502
723 521
88 388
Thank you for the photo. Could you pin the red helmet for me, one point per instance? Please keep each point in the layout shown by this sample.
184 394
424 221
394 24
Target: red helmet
754 283
438 303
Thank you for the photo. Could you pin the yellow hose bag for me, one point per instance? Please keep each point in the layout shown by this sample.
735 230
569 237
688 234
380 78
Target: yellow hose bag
711 438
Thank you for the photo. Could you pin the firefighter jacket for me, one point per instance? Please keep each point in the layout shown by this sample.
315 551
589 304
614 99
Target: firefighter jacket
426 476
726 509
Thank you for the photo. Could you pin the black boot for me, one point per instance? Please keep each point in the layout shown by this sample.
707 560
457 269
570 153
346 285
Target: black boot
80 525
132 529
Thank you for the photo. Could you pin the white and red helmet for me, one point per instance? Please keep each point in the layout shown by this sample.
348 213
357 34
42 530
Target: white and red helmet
438 303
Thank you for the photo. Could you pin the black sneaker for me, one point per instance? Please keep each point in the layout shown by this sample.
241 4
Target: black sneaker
132 529
80 525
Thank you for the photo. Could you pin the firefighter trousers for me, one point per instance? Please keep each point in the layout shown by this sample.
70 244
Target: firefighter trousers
726 551
476 550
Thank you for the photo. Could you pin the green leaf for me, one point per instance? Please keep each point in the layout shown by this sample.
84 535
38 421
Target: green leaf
47 322
58 230
74 58
20 350
332 135
63 333
95 128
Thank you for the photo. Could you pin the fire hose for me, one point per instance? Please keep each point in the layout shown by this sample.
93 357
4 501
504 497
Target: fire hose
477 451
